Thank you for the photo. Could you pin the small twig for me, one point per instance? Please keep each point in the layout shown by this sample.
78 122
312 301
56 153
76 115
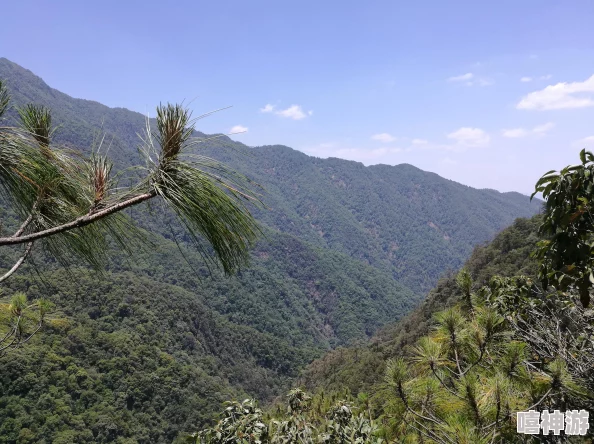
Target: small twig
32 334
429 433
441 381
479 359
11 333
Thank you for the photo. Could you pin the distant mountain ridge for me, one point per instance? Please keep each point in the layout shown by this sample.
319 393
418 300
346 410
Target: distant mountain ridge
409 222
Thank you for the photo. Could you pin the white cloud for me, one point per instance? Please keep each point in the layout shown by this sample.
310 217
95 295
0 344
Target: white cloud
542 129
485 82
586 141
514 133
293 112
267 109
539 130
449 161
560 96
470 79
364 155
383 137
460 141
530 79
239 129
461 78
323 149
470 137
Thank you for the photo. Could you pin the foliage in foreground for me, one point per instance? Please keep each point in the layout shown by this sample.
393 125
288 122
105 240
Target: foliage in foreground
462 383
465 381
567 253
507 347
303 423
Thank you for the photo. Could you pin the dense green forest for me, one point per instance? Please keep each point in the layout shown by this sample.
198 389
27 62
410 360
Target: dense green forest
511 331
360 368
212 337
147 349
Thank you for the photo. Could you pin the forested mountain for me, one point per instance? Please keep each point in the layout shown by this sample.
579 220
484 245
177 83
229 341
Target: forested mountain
407 222
361 368
401 369
150 348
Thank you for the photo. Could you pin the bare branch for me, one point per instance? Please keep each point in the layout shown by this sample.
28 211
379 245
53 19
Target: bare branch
18 263
12 332
23 226
429 433
33 333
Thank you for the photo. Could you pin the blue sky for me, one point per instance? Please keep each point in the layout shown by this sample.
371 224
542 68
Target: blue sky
490 94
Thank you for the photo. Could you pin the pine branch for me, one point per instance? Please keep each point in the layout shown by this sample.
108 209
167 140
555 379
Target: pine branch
78 222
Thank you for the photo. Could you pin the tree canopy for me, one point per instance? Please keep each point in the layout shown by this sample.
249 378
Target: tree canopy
567 252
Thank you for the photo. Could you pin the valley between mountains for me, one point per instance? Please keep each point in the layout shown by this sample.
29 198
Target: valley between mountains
150 348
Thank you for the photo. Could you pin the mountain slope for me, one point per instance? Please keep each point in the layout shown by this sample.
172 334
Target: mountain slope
360 368
149 350
412 224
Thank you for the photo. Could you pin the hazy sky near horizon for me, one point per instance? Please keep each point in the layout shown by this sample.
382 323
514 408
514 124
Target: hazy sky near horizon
490 94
